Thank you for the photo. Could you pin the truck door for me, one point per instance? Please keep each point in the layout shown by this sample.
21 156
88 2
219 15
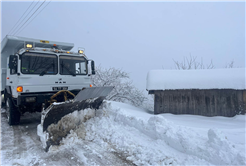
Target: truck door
12 79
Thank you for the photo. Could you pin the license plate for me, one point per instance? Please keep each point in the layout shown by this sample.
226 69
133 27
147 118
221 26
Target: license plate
60 88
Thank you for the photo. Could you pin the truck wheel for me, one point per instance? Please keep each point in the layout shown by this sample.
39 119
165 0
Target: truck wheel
3 101
12 112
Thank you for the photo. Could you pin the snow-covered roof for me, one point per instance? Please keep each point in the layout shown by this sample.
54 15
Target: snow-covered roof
232 78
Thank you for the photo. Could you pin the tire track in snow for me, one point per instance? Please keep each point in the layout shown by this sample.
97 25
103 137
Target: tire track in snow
102 156
7 133
19 143
21 146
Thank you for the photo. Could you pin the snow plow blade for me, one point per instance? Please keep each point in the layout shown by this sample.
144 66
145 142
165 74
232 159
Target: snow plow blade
87 98
50 117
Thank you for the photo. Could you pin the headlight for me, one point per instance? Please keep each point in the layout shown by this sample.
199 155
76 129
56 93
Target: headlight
28 46
80 51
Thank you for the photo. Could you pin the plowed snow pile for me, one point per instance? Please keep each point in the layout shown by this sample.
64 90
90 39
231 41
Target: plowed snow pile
147 139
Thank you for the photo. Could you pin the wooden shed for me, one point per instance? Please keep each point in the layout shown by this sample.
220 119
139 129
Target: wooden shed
211 92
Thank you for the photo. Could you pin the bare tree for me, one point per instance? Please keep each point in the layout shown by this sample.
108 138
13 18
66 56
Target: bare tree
192 63
123 90
230 65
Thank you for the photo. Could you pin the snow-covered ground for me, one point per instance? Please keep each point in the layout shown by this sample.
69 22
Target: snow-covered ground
120 134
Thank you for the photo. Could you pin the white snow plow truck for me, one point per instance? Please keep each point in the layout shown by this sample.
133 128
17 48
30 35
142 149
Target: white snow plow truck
40 75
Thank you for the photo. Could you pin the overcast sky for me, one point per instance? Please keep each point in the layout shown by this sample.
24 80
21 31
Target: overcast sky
138 36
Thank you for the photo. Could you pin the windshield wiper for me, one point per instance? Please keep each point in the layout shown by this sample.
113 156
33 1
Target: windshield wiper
45 71
70 72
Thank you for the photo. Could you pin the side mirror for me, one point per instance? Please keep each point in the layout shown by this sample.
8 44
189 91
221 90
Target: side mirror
93 68
13 64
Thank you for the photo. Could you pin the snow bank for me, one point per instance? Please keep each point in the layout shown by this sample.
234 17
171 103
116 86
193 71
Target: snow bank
73 122
155 140
233 78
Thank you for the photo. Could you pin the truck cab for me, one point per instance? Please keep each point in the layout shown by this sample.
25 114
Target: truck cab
34 70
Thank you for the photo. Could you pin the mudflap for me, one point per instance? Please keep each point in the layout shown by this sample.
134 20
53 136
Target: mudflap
86 98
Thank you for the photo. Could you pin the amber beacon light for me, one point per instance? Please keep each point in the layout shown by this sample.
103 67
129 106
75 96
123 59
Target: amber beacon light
19 89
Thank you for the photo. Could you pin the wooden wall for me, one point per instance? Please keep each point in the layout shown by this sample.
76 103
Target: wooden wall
213 102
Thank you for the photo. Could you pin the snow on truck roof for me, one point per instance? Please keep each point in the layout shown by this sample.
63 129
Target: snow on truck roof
232 78
18 42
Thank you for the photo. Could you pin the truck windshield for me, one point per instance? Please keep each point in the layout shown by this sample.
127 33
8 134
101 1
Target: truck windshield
72 65
37 63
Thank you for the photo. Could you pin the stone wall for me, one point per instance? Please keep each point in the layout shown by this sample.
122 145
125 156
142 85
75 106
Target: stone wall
213 102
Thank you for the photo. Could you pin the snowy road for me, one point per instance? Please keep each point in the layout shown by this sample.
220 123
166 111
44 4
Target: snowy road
120 134
21 146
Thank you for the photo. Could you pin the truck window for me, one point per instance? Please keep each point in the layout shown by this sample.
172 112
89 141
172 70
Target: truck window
13 64
37 63
72 65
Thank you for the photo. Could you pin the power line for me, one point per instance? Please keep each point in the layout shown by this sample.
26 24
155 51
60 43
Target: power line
21 16
30 17
34 17
25 18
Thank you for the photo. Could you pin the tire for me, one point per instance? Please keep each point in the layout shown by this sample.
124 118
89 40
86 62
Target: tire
3 101
12 112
